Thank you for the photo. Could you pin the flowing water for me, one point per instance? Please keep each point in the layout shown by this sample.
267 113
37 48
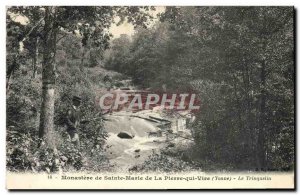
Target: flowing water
125 153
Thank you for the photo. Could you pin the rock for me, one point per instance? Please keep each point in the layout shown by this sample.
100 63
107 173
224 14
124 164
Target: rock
63 158
171 145
125 135
56 161
48 170
137 156
155 134
137 150
125 88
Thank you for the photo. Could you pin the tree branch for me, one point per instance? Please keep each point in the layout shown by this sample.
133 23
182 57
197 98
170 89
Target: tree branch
30 31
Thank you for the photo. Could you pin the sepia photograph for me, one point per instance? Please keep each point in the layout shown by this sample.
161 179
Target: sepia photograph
150 97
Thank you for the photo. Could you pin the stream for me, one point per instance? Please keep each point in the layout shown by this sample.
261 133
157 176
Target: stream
125 153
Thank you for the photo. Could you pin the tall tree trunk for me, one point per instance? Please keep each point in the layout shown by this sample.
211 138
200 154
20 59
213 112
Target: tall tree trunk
261 141
35 57
82 58
7 82
48 77
10 72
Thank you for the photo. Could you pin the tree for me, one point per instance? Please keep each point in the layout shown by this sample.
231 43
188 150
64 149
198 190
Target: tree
14 58
88 22
239 60
245 51
117 54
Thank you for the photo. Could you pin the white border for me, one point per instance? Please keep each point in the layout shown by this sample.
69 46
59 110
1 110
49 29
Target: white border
109 2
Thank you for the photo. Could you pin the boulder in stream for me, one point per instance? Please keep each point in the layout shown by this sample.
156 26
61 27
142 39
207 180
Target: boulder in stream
170 145
125 135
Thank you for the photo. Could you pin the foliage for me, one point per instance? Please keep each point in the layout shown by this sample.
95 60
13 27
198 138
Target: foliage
23 111
23 154
163 163
14 57
71 38
240 62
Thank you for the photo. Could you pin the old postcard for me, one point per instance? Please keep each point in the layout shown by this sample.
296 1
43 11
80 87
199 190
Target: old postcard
151 97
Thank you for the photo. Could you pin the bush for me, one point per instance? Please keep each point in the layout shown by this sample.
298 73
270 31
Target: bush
164 162
23 107
24 154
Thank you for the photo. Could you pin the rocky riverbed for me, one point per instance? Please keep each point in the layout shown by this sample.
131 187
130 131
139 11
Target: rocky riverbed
128 152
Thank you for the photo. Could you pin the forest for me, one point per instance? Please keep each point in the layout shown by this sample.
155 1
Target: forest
238 60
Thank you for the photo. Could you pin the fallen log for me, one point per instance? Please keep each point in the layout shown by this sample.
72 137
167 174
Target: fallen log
160 119
148 119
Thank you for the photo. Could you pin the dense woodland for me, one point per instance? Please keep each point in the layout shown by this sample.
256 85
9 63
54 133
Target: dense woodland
239 61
